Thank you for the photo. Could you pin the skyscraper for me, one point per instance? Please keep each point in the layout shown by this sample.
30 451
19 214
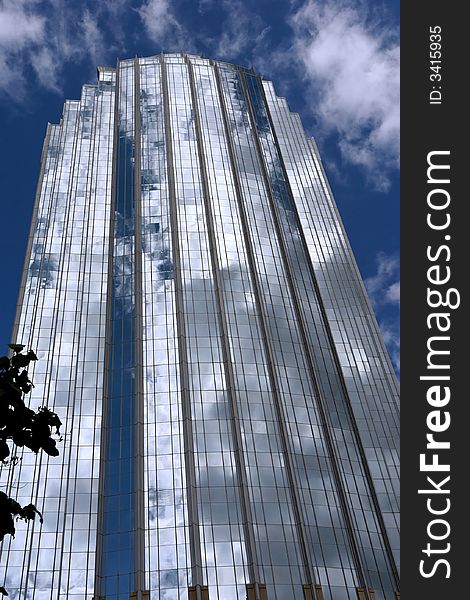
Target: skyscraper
229 409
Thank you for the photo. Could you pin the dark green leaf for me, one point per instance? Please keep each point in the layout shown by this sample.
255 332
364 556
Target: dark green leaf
4 450
24 427
29 512
20 360
16 347
49 447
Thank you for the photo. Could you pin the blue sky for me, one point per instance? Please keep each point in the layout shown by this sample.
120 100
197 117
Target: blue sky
336 62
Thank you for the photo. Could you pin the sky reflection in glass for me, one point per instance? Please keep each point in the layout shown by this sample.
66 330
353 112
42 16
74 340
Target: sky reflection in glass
228 353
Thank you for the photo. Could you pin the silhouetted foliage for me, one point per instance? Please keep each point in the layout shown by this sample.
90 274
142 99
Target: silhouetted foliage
22 427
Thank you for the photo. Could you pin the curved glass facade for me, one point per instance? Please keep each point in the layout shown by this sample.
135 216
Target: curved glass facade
230 412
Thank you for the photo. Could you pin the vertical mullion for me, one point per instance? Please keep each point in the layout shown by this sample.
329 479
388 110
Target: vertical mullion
190 469
100 558
24 277
284 434
349 411
139 575
250 545
310 363
32 231
309 570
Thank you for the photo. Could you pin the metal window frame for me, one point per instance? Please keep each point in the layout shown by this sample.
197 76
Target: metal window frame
190 469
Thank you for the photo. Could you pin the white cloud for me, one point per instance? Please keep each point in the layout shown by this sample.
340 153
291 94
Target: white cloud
352 66
20 31
18 26
393 293
384 293
46 65
92 37
390 329
384 287
243 32
38 38
161 25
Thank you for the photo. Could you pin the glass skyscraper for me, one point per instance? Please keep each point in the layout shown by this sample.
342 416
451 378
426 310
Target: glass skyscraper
230 414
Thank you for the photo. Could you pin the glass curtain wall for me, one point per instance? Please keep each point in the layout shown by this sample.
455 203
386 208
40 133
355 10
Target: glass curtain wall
230 412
